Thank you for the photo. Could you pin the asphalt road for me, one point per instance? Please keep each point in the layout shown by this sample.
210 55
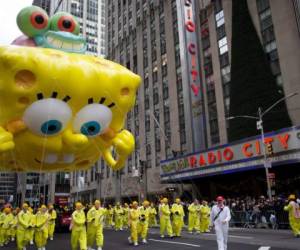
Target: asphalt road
240 239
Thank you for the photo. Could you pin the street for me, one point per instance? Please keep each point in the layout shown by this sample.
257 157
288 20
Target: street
240 239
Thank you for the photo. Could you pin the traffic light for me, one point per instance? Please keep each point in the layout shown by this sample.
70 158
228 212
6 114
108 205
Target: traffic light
269 150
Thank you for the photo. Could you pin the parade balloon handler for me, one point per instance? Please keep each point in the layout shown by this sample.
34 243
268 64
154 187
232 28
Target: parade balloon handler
293 209
165 219
24 223
78 228
95 221
133 221
143 223
219 219
178 217
62 109
51 223
194 217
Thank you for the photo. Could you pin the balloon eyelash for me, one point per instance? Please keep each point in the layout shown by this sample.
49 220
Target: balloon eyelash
90 100
102 100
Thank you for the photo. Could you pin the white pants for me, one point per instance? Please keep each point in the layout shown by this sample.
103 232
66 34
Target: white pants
222 235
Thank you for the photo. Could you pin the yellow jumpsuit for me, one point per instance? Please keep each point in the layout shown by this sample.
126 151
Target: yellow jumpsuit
143 223
133 221
165 220
119 213
125 217
78 230
178 218
95 219
51 223
13 228
30 232
204 218
41 229
2 217
24 221
294 222
152 217
7 223
194 217
109 218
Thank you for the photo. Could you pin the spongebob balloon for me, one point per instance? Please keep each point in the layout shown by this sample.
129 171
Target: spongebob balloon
61 111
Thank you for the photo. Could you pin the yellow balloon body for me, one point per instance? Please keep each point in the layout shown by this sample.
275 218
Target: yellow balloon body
47 122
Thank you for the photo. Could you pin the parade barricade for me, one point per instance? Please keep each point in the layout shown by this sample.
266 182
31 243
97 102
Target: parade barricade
260 219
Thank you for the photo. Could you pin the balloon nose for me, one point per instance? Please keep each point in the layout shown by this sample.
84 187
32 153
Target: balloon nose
77 141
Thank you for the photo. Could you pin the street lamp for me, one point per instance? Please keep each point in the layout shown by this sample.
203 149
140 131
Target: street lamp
260 127
174 152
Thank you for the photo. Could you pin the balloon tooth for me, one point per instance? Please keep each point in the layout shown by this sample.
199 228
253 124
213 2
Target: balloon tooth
50 158
69 158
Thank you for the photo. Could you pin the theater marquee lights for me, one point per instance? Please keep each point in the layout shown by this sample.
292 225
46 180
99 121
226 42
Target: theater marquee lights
245 154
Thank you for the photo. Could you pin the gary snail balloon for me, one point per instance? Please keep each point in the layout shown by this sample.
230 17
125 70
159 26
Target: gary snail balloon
60 109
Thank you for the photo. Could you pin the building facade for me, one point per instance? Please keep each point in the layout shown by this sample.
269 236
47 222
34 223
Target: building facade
182 51
44 4
231 168
8 184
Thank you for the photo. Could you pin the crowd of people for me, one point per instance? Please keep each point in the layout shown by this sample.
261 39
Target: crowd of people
28 226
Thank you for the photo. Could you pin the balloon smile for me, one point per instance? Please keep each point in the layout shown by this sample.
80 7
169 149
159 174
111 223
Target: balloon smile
53 158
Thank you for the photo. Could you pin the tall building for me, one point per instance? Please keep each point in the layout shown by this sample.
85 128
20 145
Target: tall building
44 4
91 16
144 37
232 168
182 51
8 184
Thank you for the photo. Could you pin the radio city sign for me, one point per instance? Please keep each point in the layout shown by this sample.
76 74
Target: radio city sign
282 142
190 28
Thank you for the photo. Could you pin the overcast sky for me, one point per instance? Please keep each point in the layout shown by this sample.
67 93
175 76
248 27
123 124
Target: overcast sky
8 13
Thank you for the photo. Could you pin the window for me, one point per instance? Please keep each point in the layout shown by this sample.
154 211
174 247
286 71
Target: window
223 45
148 149
147 102
270 47
163 47
221 32
262 5
154 76
214 127
275 67
225 72
268 35
165 90
224 60
146 82
220 18
273 56
166 114
211 96
226 90
157 145
208 68
147 123
164 70
155 96
266 23
205 42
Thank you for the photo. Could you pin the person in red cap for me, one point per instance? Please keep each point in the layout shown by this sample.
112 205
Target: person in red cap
219 219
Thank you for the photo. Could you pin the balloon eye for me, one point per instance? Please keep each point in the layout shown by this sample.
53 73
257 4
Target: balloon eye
51 127
47 117
38 20
90 128
66 23
92 120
